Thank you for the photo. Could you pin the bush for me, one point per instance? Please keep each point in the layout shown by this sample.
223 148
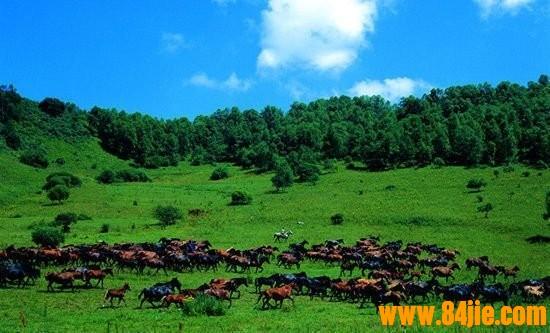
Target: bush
104 228
35 157
131 175
284 177
508 169
219 173
106 177
61 178
485 209
58 193
128 176
438 162
240 198
52 106
541 165
308 172
390 188
476 184
83 217
496 173
203 305
329 165
66 218
47 236
13 140
167 215
337 219
60 161
526 174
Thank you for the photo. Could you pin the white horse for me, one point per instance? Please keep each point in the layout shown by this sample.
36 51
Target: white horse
282 235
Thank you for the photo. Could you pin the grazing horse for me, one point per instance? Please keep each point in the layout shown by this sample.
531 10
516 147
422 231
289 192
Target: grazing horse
117 293
277 294
158 291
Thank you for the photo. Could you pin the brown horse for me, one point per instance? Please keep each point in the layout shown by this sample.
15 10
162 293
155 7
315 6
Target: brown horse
65 279
97 274
221 294
117 293
444 271
177 299
277 294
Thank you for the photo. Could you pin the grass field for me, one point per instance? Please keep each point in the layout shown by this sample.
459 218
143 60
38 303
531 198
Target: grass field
428 204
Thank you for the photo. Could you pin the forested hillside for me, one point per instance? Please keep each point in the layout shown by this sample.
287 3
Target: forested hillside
461 125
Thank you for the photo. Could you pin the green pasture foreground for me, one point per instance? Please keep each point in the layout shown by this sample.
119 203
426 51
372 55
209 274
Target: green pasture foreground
428 205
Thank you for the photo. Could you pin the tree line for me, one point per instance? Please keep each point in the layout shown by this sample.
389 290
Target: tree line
460 125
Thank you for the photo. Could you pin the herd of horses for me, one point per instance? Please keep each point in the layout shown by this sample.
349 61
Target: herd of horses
386 273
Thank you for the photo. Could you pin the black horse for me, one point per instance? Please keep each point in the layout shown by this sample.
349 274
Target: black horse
158 291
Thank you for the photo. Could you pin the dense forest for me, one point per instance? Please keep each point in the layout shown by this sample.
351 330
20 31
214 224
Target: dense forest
461 125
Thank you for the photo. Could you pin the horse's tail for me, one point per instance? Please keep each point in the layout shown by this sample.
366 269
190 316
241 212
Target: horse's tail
163 300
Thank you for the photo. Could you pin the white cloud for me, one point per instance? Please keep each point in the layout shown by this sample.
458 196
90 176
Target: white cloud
232 83
489 7
172 42
323 35
390 89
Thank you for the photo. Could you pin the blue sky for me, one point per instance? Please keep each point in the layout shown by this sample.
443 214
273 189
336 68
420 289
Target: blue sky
190 57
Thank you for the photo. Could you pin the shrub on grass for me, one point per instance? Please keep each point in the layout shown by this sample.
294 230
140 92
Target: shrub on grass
390 188
58 193
66 218
131 175
476 184
219 173
60 161
167 215
485 209
35 157
61 178
525 174
508 169
127 175
47 236
438 162
337 219
239 198
203 305
308 172
104 228
106 177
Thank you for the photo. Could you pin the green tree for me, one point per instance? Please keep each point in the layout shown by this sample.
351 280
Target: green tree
58 193
167 215
47 236
52 106
284 177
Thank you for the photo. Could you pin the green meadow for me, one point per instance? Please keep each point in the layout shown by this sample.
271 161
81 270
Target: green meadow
429 204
